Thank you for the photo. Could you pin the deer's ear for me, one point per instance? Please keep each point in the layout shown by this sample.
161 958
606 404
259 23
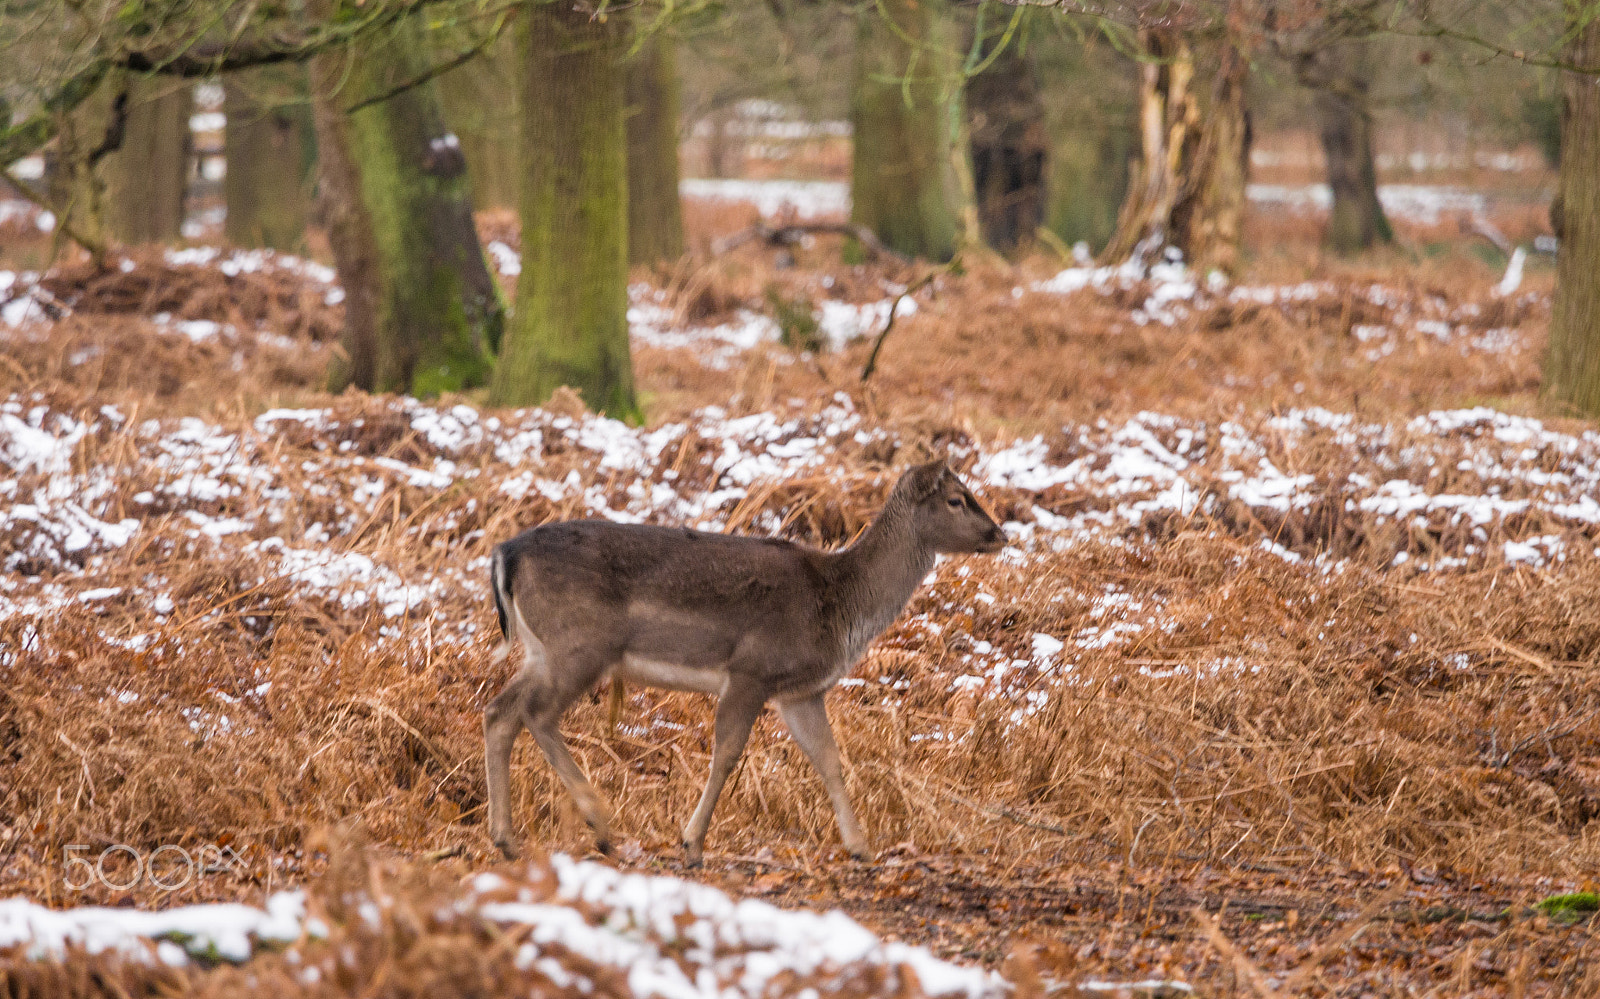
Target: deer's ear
923 481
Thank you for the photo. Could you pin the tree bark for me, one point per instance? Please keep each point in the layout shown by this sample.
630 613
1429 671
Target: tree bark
655 213
422 313
1572 367
903 179
1088 180
1337 74
270 149
570 326
1009 149
1187 188
146 176
482 103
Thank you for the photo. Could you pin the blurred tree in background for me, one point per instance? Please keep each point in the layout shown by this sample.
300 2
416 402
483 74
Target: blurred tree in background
422 313
1330 51
1572 370
145 175
271 157
1188 189
904 180
651 107
570 325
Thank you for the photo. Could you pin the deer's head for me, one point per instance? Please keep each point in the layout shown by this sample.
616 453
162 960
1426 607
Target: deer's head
948 518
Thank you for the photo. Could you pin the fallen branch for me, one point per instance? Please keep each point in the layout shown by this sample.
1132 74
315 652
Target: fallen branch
1479 224
792 233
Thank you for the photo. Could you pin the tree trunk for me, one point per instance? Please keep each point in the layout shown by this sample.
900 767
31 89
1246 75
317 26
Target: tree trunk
1338 75
482 103
903 178
1009 147
1187 188
421 311
1088 181
270 149
146 176
1572 368
655 214
570 326
73 186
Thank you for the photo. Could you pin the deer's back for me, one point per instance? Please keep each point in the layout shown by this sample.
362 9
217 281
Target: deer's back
668 595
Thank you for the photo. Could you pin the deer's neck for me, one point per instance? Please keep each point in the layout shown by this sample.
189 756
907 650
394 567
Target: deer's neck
876 576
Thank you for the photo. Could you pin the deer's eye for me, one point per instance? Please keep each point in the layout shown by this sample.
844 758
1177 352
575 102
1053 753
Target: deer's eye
954 502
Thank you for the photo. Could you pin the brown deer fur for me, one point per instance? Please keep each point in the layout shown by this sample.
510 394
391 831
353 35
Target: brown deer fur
747 619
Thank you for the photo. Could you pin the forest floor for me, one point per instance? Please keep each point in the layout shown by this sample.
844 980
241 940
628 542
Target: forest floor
1288 683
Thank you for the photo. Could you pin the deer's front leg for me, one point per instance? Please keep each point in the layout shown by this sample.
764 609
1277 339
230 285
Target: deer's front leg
736 713
808 723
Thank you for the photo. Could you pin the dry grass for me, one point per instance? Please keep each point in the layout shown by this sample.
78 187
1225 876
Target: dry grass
1324 726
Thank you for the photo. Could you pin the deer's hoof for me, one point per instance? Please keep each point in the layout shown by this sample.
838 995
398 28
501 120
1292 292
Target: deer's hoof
508 849
605 847
691 854
860 853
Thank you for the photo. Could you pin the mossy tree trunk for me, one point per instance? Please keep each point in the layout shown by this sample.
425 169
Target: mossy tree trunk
422 313
270 150
1187 188
1338 75
655 214
1090 93
1087 182
1572 367
72 187
1009 149
904 184
570 326
146 176
482 102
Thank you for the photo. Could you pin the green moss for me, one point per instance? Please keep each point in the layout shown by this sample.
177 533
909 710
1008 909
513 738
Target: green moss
798 327
1574 907
439 314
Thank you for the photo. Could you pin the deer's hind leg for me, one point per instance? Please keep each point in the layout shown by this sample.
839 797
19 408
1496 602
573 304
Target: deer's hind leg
573 673
502 720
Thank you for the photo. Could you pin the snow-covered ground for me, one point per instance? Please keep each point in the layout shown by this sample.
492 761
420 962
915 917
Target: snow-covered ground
285 493
664 937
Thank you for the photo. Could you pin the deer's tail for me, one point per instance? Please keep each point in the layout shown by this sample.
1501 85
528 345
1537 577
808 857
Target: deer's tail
503 605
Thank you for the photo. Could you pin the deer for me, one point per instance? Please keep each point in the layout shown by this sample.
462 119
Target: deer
746 619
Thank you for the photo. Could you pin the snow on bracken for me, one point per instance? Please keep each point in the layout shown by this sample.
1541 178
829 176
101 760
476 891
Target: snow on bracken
719 346
1459 474
1173 292
668 938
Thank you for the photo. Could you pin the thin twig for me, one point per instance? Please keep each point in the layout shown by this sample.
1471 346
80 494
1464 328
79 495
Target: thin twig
96 248
437 69
894 310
